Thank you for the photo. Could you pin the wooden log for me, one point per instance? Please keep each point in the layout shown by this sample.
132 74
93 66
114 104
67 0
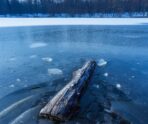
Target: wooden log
64 104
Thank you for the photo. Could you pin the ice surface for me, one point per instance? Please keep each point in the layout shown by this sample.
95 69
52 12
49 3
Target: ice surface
102 62
47 59
37 45
55 71
10 22
122 56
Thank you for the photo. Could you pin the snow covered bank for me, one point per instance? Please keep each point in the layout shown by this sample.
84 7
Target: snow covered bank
10 22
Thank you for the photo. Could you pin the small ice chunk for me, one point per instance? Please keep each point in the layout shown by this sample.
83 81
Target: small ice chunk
105 74
18 80
55 71
102 62
37 45
47 59
133 76
12 86
118 86
33 56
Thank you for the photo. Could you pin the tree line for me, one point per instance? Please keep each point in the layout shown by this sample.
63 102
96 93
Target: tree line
72 7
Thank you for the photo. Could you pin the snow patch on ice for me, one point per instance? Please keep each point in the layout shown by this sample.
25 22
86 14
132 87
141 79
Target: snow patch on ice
118 86
102 62
12 22
105 74
55 71
11 86
18 80
37 45
47 59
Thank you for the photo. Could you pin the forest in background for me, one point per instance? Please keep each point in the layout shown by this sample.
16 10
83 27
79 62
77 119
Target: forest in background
73 7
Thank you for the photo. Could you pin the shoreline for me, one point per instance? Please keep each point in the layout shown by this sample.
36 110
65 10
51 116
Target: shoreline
17 22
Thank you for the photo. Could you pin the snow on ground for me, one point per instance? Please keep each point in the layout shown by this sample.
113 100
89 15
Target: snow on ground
11 22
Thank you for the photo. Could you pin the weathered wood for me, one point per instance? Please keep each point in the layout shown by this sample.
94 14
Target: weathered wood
65 102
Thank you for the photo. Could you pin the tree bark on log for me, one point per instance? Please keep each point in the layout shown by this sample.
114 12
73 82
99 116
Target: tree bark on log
64 104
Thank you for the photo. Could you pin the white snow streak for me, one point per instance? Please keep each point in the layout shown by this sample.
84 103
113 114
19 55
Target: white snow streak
12 22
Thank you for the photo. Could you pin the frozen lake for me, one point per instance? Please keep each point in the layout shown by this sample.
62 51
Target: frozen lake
36 62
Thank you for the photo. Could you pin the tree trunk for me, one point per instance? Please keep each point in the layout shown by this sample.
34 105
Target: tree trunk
64 104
